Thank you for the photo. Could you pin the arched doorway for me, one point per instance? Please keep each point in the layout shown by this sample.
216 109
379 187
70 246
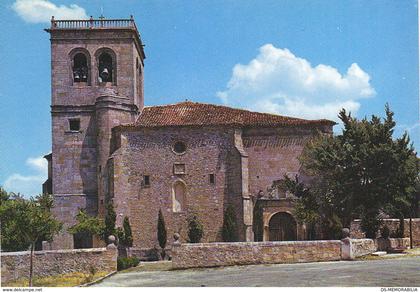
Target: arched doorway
282 226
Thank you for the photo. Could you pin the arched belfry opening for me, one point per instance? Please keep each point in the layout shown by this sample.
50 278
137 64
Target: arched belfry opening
179 191
80 68
106 67
282 227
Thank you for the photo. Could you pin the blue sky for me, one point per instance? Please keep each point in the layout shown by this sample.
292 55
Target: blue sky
299 58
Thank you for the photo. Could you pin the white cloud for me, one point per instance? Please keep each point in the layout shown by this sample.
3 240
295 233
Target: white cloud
277 81
29 185
40 11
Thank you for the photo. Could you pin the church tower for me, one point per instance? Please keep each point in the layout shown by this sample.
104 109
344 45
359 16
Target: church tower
96 84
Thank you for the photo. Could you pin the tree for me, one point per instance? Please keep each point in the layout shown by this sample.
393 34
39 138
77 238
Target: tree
38 224
4 196
124 234
86 224
127 232
110 218
161 233
360 173
24 222
229 232
195 229
11 208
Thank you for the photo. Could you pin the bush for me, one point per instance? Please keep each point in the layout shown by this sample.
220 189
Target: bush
110 218
125 237
385 232
125 263
229 225
195 229
161 230
128 235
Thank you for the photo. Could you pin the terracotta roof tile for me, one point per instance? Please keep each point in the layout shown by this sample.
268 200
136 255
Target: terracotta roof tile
200 114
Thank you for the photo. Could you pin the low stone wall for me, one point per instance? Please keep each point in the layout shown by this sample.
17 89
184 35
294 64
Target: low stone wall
148 254
393 224
248 253
353 248
15 265
390 244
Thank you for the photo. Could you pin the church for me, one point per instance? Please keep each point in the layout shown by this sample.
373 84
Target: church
181 159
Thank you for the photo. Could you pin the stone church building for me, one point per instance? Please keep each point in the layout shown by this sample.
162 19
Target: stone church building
181 158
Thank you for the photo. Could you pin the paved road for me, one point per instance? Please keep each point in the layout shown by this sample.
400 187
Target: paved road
388 272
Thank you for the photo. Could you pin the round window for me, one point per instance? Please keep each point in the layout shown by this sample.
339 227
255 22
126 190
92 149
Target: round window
180 147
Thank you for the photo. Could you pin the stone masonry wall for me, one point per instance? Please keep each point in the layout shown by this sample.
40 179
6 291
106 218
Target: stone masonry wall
15 265
149 152
274 153
245 253
361 247
393 224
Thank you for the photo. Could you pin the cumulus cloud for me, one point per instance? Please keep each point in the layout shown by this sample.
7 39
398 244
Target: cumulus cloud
277 81
29 185
40 11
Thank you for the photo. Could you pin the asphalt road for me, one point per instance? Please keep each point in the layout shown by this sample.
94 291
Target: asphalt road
395 272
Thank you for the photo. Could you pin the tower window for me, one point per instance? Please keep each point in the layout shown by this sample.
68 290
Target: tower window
146 180
105 68
74 124
212 178
80 68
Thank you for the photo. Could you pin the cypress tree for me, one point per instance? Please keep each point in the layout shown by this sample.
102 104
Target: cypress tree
161 230
110 219
128 236
195 229
229 225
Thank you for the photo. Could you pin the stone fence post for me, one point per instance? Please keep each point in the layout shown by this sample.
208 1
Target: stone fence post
346 250
111 253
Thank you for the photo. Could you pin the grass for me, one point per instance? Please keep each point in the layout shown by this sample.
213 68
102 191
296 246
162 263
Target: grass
64 280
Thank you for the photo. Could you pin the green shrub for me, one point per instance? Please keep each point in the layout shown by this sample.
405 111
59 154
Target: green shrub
385 232
125 263
195 229
161 229
229 225
110 218
128 235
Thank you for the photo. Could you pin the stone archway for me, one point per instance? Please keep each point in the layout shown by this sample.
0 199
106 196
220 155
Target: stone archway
282 227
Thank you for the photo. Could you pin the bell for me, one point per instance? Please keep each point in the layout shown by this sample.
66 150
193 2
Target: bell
84 77
104 73
76 76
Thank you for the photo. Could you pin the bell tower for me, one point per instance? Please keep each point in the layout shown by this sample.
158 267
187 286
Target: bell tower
96 84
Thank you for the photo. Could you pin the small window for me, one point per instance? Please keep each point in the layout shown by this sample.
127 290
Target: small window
180 147
74 125
146 180
179 168
211 178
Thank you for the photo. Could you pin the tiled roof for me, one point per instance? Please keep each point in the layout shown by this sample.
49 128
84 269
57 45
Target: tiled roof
200 114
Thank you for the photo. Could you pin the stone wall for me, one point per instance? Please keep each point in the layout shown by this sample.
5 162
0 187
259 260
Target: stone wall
15 265
393 224
391 244
361 247
150 152
247 253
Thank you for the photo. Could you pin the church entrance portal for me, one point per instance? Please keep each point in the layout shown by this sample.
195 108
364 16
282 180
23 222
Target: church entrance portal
282 226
